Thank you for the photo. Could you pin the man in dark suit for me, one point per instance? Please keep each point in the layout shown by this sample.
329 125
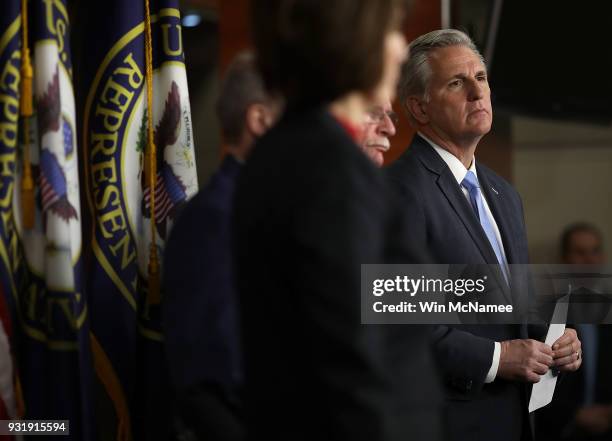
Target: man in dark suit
466 214
582 407
200 310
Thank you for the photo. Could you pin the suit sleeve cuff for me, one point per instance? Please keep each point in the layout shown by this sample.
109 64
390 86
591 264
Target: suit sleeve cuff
494 364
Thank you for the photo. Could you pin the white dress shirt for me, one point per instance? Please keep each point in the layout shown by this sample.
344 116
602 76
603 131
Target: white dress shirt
459 171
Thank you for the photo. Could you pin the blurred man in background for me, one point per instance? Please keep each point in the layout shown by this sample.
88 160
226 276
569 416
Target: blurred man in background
582 406
379 126
200 311
582 244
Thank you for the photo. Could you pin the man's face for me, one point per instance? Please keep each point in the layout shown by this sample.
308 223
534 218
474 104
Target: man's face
585 248
459 105
378 127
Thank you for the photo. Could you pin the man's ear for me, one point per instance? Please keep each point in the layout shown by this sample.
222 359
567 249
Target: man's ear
257 119
417 109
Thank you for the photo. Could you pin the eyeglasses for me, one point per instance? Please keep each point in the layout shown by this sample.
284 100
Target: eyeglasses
377 116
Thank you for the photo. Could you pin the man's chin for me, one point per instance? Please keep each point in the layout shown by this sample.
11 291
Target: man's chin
377 157
482 123
481 128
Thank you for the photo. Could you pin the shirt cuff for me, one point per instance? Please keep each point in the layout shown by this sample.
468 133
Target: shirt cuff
494 364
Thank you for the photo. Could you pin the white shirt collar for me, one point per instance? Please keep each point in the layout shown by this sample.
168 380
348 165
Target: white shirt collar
456 166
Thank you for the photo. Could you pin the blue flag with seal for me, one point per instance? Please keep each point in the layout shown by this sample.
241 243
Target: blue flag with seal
41 231
140 170
10 65
10 251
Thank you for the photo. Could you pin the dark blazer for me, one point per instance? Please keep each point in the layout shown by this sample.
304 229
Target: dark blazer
200 311
310 209
440 218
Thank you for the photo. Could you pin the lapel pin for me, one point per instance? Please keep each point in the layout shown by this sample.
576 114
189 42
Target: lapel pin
496 192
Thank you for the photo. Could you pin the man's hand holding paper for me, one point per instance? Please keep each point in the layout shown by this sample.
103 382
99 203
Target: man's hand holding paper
567 352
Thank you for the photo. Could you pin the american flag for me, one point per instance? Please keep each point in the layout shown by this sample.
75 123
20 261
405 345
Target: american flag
53 187
169 192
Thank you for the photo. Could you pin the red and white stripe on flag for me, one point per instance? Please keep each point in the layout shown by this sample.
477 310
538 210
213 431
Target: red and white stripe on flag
49 196
163 203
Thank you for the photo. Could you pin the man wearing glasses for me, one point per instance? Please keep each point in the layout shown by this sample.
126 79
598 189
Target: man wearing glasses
378 127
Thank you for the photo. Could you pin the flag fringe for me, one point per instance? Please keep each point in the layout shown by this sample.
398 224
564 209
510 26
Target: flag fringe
108 377
154 296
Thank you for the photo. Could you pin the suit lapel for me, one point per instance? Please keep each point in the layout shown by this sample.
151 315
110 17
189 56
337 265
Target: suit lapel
448 186
457 200
502 214
452 191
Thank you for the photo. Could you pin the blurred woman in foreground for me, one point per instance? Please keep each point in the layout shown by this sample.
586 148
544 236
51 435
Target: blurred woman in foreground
311 209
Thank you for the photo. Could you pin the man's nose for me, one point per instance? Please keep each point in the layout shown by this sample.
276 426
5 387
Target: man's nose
476 90
386 126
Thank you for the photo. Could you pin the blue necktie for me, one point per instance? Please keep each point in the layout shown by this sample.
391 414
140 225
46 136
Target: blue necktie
470 183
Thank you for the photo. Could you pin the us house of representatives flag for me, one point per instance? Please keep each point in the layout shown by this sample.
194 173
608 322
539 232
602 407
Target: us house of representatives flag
41 242
10 65
9 116
126 336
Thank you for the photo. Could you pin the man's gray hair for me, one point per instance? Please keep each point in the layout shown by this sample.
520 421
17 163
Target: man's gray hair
241 87
416 71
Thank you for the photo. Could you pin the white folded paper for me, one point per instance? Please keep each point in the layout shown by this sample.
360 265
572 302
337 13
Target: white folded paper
542 392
